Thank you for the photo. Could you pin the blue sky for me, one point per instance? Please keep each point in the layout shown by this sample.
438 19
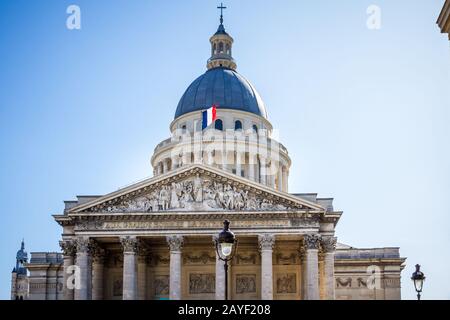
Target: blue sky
364 113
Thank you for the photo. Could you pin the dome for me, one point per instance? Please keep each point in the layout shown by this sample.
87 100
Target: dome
223 87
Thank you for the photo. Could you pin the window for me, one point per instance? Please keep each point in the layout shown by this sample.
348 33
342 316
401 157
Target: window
255 128
183 129
221 47
219 125
228 49
214 49
238 125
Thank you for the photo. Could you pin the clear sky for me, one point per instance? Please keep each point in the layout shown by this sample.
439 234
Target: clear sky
364 113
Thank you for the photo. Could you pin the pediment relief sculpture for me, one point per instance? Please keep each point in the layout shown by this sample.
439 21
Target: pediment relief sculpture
196 191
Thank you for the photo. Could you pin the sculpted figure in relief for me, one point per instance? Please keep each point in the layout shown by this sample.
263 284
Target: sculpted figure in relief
196 193
198 189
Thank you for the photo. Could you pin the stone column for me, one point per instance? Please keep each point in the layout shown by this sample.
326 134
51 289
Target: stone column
68 248
210 158
142 271
158 169
83 264
266 243
175 245
285 179
280 178
263 170
311 266
238 163
197 155
186 157
225 164
251 167
272 179
220 275
165 166
98 260
329 249
129 245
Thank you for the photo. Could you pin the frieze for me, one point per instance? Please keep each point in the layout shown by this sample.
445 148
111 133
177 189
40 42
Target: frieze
203 258
184 224
286 260
158 259
197 192
246 259
343 282
361 283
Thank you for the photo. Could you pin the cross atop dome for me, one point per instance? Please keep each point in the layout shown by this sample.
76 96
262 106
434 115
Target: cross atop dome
221 12
221 44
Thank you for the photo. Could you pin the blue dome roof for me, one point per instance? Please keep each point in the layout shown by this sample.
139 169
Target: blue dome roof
223 87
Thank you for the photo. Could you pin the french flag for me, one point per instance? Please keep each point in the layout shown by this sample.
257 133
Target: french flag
209 116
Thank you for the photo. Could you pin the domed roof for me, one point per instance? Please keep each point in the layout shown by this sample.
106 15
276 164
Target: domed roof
223 87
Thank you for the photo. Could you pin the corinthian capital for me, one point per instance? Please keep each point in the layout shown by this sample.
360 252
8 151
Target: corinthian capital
329 243
175 242
82 244
68 247
311 241
97 252
129 244
266 241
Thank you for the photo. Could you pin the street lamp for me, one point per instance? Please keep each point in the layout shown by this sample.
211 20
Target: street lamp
226 245
418 277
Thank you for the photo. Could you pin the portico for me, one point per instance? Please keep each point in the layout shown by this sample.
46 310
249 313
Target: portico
185 267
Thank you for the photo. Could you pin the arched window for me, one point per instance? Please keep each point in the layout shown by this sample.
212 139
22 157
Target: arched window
220 47
219 125
255 128
183 129
238 125
228 49
215 48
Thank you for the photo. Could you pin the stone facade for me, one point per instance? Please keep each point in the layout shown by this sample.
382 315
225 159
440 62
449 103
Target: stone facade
153 239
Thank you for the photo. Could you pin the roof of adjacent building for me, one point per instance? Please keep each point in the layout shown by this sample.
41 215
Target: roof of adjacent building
224 88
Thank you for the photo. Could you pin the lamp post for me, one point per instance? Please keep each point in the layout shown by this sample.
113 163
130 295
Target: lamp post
226 245
418 277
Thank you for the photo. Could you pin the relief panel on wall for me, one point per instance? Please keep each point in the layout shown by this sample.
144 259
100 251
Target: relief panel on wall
202 283
161 286
117 287
245 283
286 283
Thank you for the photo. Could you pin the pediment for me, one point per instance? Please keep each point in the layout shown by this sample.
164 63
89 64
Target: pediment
195 188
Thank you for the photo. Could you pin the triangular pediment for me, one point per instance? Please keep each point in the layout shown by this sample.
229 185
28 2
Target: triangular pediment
195 188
